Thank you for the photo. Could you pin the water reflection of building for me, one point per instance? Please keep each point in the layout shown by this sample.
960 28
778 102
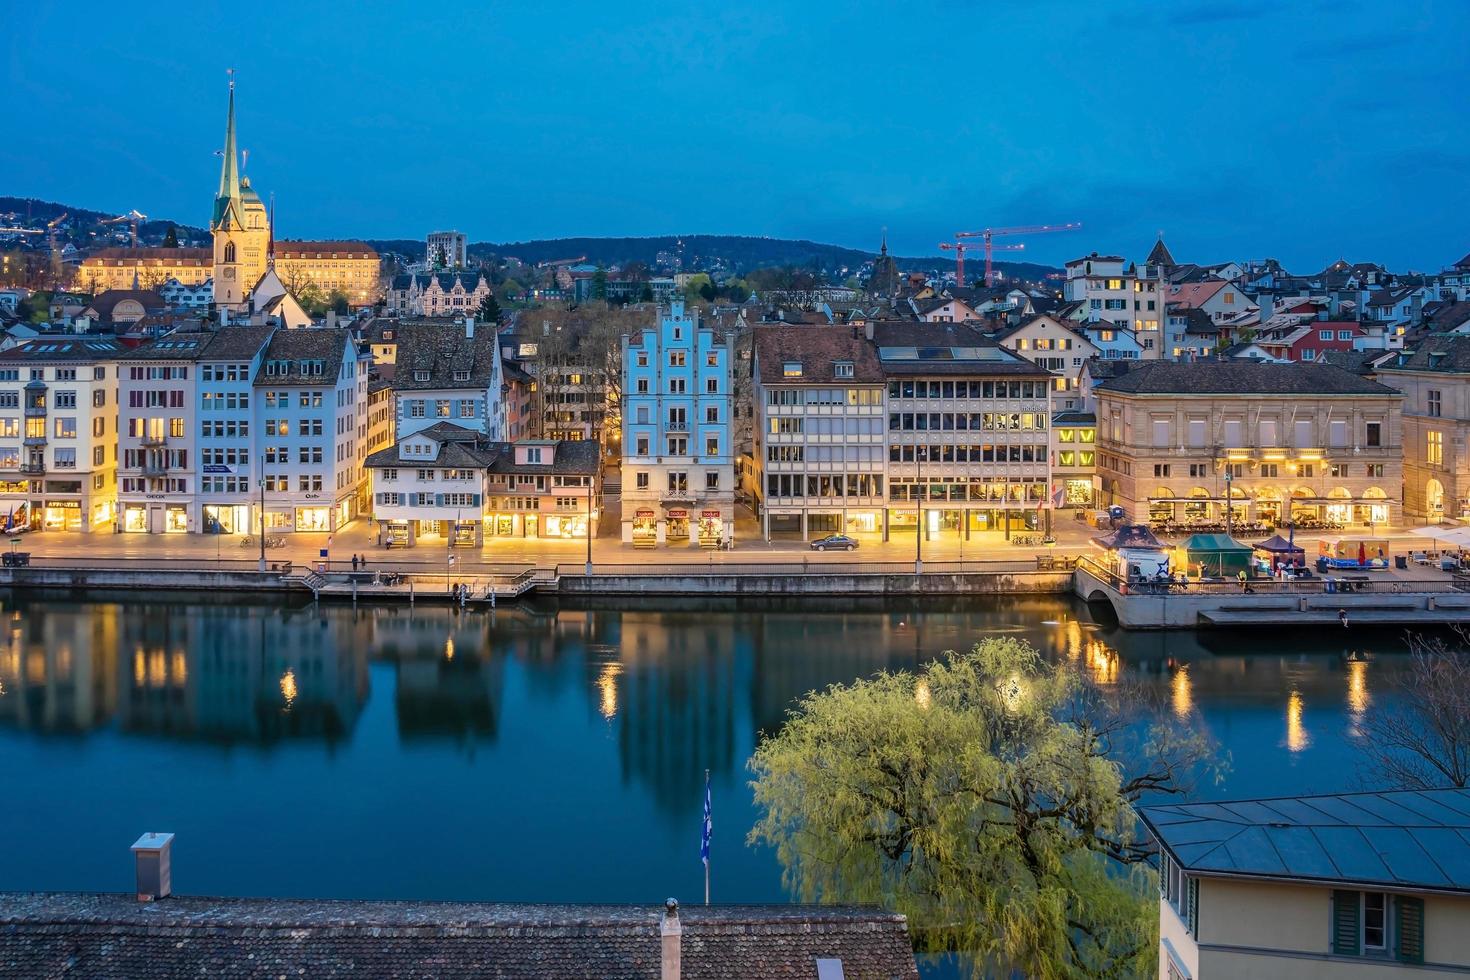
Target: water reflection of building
57 668
676 709
449 673
238 673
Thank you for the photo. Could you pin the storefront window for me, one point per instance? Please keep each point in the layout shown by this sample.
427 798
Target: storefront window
645 525
135 517
313 518
176 519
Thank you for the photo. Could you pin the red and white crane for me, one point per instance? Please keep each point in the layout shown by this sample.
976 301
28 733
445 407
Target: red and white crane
132 218
986 238
959 257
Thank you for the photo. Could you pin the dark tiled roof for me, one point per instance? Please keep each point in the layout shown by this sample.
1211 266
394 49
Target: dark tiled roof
70 348
911 348
1237 377
1073 418
459 448
296 346
1449 354
287 249
1159 255
817 349
163 256
106 301
113 937
580 457
239 343
1403 839
443 350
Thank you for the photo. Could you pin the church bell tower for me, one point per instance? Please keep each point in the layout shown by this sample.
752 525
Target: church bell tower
240 226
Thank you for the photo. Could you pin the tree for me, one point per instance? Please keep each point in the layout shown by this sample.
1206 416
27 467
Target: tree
1420 738
441 258
646 296
987 797
171 240
337 301
489 311
599 284
694 287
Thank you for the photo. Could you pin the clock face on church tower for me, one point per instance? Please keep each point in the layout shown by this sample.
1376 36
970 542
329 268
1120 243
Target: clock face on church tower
229 272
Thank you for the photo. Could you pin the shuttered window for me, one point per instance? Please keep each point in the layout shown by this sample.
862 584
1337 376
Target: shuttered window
1345 923
1409 930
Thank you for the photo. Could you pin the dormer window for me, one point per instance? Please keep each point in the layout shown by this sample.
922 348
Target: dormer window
842 369
791 369
461 375
421 375
533 454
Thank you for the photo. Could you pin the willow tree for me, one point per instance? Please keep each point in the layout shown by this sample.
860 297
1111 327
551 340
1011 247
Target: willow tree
988 797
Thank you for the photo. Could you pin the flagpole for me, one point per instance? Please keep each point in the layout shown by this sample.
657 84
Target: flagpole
706 824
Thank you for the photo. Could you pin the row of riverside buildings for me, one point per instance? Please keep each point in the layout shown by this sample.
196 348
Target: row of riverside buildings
868 427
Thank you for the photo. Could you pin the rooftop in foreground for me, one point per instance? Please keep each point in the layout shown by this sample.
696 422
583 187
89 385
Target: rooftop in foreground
109 935
1415 840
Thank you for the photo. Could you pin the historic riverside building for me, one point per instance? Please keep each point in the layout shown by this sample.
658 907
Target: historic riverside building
967 431
58 434
448 372
243 242
1435 380
1312 443
227 494
451 483
678 468
311 412
820 449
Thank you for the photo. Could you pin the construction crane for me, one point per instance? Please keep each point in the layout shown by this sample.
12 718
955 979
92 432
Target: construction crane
988 234
132 218
20 231
959 257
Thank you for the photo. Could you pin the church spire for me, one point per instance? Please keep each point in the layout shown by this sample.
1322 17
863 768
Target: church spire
229 175
270 244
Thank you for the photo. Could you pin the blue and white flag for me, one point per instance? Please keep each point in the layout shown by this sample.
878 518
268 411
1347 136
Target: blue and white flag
708 825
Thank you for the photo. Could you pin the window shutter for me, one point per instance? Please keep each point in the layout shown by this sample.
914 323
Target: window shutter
1410 929
1345 924
1193 886
438 500
475 500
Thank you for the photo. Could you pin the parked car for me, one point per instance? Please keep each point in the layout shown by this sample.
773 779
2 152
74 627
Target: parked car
835 542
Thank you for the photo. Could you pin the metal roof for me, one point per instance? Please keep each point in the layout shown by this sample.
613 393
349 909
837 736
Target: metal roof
1413 840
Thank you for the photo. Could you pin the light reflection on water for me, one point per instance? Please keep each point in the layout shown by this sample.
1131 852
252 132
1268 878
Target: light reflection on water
579 735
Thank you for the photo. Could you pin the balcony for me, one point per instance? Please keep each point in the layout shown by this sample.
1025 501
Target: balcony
35 411
33 467
154 467
153 442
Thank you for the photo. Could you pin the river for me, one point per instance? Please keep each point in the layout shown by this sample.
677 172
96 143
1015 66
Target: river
536 753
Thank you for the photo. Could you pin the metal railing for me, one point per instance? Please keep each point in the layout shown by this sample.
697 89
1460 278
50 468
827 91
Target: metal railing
1345 584
813 566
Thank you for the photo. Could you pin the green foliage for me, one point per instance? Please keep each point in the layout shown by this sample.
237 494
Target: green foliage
694 288
489 311
599 284
171 240
988 798
338 302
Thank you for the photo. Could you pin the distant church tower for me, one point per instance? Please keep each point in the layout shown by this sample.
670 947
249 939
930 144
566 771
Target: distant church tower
240 227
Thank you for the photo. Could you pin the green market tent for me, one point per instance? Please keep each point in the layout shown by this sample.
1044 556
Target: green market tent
1218 554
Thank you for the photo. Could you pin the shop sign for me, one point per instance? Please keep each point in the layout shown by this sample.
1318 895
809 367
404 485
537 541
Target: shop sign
313 496
644 513
217 468
710 513
68 504
680 514
152 496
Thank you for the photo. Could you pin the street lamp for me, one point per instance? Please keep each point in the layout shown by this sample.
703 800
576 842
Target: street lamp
262 512
919 453
1229 498
591 486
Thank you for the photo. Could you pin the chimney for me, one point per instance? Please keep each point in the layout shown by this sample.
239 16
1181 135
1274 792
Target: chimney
868 329
151 858
469 328
671 932
331 319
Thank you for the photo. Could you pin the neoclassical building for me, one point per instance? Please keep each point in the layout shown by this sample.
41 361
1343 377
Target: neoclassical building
1308 442
1435 380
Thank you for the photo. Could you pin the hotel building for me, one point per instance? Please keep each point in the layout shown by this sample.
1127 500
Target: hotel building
1435 380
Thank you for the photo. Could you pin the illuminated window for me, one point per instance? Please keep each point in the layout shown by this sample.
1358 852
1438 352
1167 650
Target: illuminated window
1434 448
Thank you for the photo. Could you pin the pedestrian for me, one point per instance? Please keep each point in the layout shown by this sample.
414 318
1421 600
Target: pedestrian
354 561
1241 577
1342 617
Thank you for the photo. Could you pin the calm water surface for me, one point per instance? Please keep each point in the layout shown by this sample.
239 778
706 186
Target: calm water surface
537 753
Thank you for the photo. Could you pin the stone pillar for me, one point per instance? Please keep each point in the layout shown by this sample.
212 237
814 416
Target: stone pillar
803 524
627 531
661 532
671 934
766 524
885 523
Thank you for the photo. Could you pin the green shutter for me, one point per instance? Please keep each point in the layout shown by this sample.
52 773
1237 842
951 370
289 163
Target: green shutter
438 500
1410 929
1346 910
476 501
1193 888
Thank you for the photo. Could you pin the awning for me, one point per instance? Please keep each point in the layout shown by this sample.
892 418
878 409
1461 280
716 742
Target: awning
1458 536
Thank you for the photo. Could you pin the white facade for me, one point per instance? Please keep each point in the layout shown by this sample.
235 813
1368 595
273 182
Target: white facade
456 247
58 435
678 478
1105 284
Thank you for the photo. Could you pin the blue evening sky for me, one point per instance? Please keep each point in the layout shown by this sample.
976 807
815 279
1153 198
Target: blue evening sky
1306 131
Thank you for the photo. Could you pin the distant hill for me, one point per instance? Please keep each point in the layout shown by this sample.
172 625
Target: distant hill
741 252
737 253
